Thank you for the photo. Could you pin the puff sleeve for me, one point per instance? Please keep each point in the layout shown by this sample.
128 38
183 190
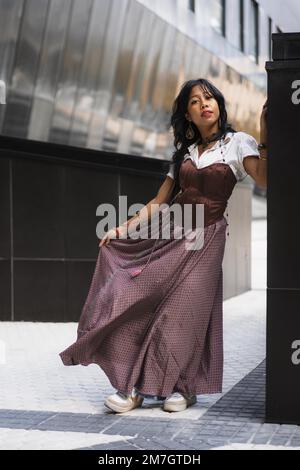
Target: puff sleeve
247 146
171 170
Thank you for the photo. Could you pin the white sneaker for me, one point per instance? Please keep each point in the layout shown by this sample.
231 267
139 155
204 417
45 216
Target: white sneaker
178 402
120 402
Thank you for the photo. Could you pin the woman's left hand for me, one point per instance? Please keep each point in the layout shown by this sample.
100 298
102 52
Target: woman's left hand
263 123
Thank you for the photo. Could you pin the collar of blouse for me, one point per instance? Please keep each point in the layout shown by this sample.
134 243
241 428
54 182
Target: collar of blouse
193 147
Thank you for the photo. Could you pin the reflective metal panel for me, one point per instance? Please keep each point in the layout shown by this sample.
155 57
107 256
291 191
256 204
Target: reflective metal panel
111 48
10 16
120 118
88 80
50 60
22 82
70 71
11 13
103 74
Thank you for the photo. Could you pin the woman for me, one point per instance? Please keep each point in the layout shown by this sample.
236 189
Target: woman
155 328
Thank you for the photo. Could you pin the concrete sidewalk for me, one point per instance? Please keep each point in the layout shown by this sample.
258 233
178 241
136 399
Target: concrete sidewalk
45 405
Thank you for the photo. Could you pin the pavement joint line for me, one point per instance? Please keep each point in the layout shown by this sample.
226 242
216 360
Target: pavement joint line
273 433
44 421
111 425
291 437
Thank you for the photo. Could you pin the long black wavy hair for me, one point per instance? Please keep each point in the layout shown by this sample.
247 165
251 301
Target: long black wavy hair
180 124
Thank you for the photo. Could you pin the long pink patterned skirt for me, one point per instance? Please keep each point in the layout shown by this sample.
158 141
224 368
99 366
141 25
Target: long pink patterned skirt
160 331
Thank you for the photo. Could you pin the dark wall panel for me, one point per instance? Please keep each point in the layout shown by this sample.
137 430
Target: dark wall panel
49 195
146 187
40 290
283 353
85 190
283 203
5 232
5 290
78 279
283 276
38 193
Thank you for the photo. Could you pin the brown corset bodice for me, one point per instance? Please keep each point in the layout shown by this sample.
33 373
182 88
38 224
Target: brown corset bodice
211 186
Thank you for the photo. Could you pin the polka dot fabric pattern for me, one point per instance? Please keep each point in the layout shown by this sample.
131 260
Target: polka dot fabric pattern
160 331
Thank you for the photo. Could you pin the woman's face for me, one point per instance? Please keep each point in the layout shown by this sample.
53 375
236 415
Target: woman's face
200 101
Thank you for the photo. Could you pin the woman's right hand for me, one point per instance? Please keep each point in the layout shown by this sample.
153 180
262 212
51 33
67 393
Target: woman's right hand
111 234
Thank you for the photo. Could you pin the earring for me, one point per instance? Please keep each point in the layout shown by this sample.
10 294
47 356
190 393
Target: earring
190 133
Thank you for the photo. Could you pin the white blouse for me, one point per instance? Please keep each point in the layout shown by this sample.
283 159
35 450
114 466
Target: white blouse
236 146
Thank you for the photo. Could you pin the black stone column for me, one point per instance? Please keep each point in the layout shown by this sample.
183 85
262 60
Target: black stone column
283 234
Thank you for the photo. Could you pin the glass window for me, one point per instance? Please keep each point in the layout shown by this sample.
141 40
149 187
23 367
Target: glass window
218 16
253 31
242 25
270 36
192 5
